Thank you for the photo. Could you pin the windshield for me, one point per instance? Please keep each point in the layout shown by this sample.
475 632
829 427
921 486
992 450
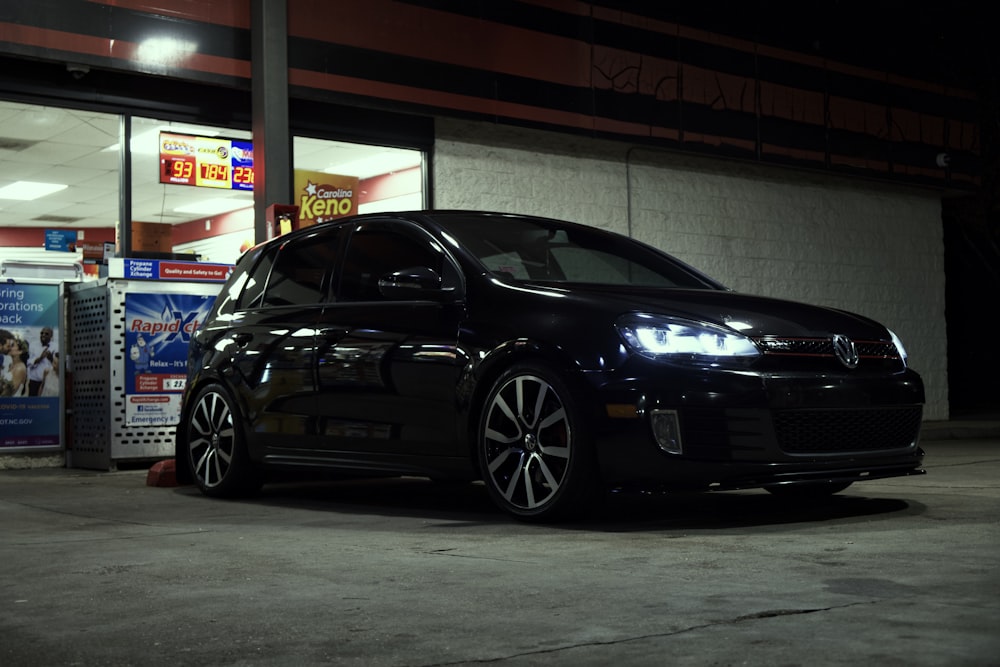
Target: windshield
521 249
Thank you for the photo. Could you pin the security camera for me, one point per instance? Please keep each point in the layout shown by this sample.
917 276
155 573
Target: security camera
78 71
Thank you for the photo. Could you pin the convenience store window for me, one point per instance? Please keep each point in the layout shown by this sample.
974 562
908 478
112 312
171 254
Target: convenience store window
376 178
195 184
183 199
58 183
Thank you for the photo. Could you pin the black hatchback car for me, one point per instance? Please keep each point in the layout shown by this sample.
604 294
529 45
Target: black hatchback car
552 360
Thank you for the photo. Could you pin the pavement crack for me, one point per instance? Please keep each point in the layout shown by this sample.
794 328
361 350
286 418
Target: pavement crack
450 553
961 464
774 613
82 515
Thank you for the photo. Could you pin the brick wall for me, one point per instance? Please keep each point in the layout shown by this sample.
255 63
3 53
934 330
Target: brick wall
871 249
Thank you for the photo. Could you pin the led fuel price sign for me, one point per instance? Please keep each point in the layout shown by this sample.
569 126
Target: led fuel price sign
243 178
177 170
241 154
213 175
207 162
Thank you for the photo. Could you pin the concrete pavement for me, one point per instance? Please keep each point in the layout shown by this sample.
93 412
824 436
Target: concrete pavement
101 569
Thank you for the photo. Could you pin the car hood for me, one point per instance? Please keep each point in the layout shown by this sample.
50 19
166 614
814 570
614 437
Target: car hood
750 314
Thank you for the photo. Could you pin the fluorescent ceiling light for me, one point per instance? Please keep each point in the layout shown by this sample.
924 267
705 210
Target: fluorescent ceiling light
214 206
28 190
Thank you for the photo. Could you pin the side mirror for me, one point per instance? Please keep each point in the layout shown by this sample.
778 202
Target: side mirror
413 282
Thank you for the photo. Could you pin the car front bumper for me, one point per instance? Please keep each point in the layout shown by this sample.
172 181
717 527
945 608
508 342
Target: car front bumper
731 430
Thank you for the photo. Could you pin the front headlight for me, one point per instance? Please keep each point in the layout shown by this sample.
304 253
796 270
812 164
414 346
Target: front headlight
674 338
899 346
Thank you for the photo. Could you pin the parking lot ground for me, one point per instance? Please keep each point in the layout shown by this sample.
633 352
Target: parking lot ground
101 569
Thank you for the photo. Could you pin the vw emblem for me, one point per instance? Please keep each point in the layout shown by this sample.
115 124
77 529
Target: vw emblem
844 350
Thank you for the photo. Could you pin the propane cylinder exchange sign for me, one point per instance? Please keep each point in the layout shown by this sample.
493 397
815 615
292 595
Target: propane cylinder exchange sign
158 328
30 385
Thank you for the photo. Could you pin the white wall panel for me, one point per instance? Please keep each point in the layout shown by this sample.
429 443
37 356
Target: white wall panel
871 249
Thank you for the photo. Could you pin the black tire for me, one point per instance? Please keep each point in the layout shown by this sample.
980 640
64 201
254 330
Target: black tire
216 447
808 490
534 450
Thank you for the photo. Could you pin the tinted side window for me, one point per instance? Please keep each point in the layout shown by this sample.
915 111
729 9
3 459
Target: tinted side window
254 289
231 292
375 252
297 277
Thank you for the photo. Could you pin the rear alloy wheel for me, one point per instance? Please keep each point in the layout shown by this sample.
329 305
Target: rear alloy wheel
808 490
533 452
216 447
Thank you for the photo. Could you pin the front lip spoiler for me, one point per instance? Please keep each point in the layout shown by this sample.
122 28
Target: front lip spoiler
815 477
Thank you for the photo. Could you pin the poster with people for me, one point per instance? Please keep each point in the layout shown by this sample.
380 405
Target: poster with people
158 327
30 376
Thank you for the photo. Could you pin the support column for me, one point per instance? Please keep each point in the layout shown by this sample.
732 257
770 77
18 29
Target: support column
272 146
123 230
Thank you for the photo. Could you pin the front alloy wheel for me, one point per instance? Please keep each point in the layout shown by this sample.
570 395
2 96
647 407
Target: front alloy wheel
216 449
533 453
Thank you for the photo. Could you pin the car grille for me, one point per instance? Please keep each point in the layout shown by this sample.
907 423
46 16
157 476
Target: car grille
728 434
823 347
814 353
838 431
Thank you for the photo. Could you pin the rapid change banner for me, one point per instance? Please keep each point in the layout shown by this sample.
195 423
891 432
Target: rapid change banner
30 386
158 328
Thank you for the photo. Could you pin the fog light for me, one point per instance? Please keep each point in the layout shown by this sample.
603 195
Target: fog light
666 430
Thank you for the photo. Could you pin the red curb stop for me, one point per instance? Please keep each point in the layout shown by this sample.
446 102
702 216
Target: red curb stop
163 473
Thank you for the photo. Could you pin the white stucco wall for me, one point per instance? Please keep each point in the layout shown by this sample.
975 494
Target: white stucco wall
872 249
